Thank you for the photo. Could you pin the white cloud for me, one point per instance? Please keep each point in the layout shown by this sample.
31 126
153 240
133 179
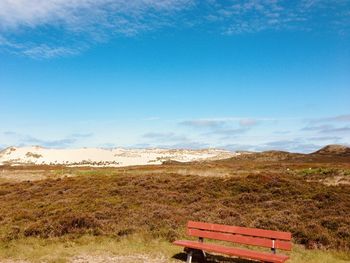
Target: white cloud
203 123
247 122
161 137
260 15
338 118
77 13
20 139
44 51
25 26
31 27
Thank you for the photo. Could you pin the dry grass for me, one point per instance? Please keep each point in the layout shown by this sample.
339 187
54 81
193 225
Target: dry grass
109 206
120 205
128 249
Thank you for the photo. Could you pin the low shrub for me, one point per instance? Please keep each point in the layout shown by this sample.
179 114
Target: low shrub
160 205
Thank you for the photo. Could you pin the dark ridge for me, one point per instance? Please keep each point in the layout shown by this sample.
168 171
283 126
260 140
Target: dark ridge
171 162
334 149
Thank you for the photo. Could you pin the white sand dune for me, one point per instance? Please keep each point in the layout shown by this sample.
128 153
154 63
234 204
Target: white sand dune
105 157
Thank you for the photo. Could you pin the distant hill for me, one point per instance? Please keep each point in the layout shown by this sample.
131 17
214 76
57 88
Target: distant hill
328 153
119 157
334 149
269 156
128 157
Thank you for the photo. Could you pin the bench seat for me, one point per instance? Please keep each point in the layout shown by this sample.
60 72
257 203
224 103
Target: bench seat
237 235
238 252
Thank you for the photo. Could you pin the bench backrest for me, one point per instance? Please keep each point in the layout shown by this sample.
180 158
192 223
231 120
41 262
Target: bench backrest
241 235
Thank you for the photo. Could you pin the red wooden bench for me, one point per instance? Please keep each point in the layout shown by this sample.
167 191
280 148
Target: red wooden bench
242 235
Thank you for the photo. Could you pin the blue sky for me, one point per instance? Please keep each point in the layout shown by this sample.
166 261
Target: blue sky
239 75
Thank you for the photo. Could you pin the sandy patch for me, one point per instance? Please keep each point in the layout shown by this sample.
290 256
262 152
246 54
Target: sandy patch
106 157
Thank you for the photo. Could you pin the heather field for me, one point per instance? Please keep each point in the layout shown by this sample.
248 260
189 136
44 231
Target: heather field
139 211
130 129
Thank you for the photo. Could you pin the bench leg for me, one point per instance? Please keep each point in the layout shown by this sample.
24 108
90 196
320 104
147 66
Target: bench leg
189 256
204 256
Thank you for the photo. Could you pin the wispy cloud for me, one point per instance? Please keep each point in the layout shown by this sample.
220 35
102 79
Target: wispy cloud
338 118
317 128
344 129
28 140
49 143
225 128
165 137
44 51
259 15
76 15
203 123
9 133
248 122
31 27
294 145
170 140
227 134
326 138
222 122
327 129
282 132
82 135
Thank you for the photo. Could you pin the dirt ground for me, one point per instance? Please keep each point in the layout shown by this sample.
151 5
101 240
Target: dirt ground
117 259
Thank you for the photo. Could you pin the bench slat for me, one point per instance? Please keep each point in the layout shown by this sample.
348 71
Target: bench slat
274 258
247 240
241 230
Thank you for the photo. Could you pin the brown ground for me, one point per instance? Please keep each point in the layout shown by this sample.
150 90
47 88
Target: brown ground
308 195
118 259
108 259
